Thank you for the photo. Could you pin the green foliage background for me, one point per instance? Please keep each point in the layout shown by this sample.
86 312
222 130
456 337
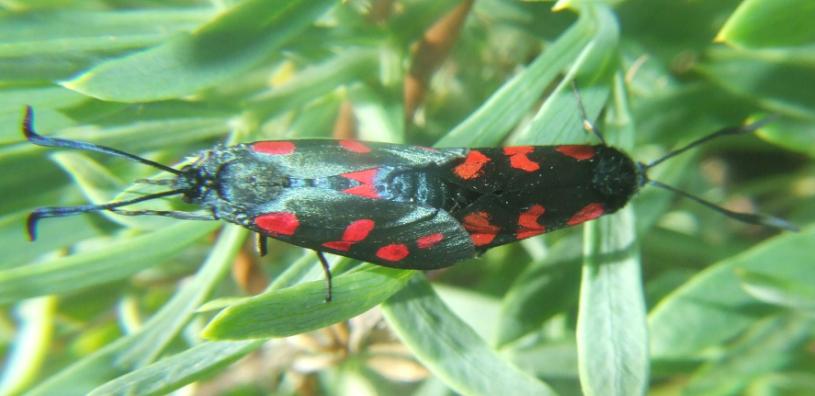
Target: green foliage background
663 298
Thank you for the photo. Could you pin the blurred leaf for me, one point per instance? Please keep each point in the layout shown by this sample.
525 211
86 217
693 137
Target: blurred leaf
771 23
56 235
785 383
31 344
770 345
487 125
776 84
787 293
713 307
51 45
314 81
441 341
477 309
141 348
554 280
222 49
119 259
794 135
173 372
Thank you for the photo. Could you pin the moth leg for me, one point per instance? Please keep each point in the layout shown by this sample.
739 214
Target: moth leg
262 244
327 271
588 125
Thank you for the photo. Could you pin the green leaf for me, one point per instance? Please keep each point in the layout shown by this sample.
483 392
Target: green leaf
558 120
771 23
301 308
775 83
53 44
114 260
224 48
315 81
791 134
144 346
612 337
788 293
554 280
488 124
450 348
769 346
173 372
56 235
783 383
31 344
73 31
713 307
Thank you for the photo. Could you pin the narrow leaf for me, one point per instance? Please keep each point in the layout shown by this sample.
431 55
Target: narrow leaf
713 306
141 348
301 308
117 260
611 331
443 343
173 372
229 45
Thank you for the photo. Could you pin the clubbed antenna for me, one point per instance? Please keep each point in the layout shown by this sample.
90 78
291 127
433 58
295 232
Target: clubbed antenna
41 213
729 131
39 140
751 218
62 211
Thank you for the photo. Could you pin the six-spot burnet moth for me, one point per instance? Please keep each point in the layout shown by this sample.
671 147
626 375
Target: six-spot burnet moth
396 205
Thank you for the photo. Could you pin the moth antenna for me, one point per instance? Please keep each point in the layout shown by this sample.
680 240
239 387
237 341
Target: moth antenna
587 124
751 218
35 138
156 182
728 131
175 214
62 211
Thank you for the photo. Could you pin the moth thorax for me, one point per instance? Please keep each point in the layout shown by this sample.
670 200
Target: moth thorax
246 183
615 177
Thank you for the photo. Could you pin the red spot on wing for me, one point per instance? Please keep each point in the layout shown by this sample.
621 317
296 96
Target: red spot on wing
393 252
366 189
273 148
356 232
482 232
342 246
364 176
278 223
472 166
519 160
428 241
528 225
355 146
578 152
589 212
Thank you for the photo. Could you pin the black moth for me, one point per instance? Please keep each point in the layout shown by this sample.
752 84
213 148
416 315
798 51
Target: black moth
397 205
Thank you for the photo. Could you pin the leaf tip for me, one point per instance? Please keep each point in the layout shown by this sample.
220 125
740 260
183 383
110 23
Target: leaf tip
561 5
721 37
